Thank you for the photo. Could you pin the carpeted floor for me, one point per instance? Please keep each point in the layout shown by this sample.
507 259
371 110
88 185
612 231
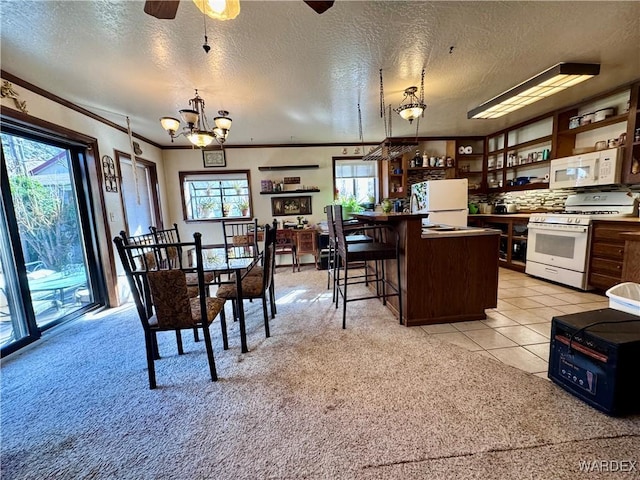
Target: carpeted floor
377 400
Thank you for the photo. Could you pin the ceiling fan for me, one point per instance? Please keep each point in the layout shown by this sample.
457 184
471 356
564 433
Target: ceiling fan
166 9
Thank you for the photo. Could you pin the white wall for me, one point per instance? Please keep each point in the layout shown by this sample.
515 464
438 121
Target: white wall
109 139
176 161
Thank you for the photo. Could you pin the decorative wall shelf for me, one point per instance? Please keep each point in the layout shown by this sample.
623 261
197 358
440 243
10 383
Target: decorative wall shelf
287 167
290 191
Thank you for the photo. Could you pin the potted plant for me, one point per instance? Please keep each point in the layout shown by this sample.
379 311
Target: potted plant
206 208
349 205
243 206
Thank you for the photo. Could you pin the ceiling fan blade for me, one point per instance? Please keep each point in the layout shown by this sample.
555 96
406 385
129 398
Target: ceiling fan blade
163 9
319 7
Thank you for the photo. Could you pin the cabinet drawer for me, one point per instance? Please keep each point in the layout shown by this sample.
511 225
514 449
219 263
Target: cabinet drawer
603 282
611 232
608 250
606 266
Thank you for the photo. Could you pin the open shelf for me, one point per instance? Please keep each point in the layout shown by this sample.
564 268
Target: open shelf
285 192
287 167
592 126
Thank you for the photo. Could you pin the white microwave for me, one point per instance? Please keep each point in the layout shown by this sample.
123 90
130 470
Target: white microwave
594 168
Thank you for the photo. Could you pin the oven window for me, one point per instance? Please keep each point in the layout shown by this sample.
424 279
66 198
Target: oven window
555 245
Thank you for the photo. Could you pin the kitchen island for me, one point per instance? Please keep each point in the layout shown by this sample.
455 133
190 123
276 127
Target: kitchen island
448 274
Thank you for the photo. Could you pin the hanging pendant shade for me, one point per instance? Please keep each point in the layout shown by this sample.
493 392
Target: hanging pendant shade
219 9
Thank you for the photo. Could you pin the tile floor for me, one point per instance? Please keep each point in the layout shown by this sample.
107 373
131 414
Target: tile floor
517 331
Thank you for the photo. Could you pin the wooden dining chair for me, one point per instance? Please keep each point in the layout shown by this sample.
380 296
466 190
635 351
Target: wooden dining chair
286 245
165 255
254 286
163 300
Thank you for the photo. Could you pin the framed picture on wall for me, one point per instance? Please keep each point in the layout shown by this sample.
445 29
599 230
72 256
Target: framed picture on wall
281 206
214 158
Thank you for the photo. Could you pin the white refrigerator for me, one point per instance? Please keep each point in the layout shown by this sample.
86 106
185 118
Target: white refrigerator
446 201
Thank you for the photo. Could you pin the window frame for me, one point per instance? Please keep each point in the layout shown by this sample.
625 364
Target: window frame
377 182
185 177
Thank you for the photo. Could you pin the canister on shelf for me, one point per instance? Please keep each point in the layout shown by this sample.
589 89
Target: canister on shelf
574 122
587 118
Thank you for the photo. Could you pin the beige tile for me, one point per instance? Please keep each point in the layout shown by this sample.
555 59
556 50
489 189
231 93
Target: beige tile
533 282
550 289
521 358
567 309
459 339
580 297
525 317
523 302
439 328
542 375
471 325
503 305
543 329
521 335
513 283
495 319
516 292
489 338
582 307
548 300
486 353
540 349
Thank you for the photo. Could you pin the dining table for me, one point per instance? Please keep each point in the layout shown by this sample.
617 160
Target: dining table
235 269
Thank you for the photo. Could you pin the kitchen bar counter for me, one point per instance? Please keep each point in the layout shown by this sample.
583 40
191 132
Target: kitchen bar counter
445 278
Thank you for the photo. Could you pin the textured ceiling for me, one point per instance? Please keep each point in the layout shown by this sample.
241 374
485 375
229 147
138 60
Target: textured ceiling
289 75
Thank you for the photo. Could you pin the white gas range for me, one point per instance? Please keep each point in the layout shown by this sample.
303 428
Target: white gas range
558 243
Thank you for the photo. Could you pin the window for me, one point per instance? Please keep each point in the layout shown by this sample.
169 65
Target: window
214 196
356 178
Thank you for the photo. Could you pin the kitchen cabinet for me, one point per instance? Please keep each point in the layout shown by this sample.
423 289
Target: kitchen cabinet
583 138
631 260
631 163
398 172
607 252
392 155
469 156
518 157
513 237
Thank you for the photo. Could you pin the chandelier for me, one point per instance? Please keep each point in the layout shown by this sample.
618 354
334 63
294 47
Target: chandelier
197 129
411 106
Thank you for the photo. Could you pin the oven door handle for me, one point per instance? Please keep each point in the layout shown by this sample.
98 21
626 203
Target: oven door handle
558 228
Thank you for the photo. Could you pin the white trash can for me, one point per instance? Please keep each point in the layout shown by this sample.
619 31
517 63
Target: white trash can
625 297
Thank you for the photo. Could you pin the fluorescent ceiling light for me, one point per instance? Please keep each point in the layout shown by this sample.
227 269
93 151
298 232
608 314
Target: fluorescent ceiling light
549 82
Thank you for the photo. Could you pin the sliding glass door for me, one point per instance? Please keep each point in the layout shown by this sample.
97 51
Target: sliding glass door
45 274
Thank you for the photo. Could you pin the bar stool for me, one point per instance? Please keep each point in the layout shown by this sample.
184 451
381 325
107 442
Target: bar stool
376 251
353 238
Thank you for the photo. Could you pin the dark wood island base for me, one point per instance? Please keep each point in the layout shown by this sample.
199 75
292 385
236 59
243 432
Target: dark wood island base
447 276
